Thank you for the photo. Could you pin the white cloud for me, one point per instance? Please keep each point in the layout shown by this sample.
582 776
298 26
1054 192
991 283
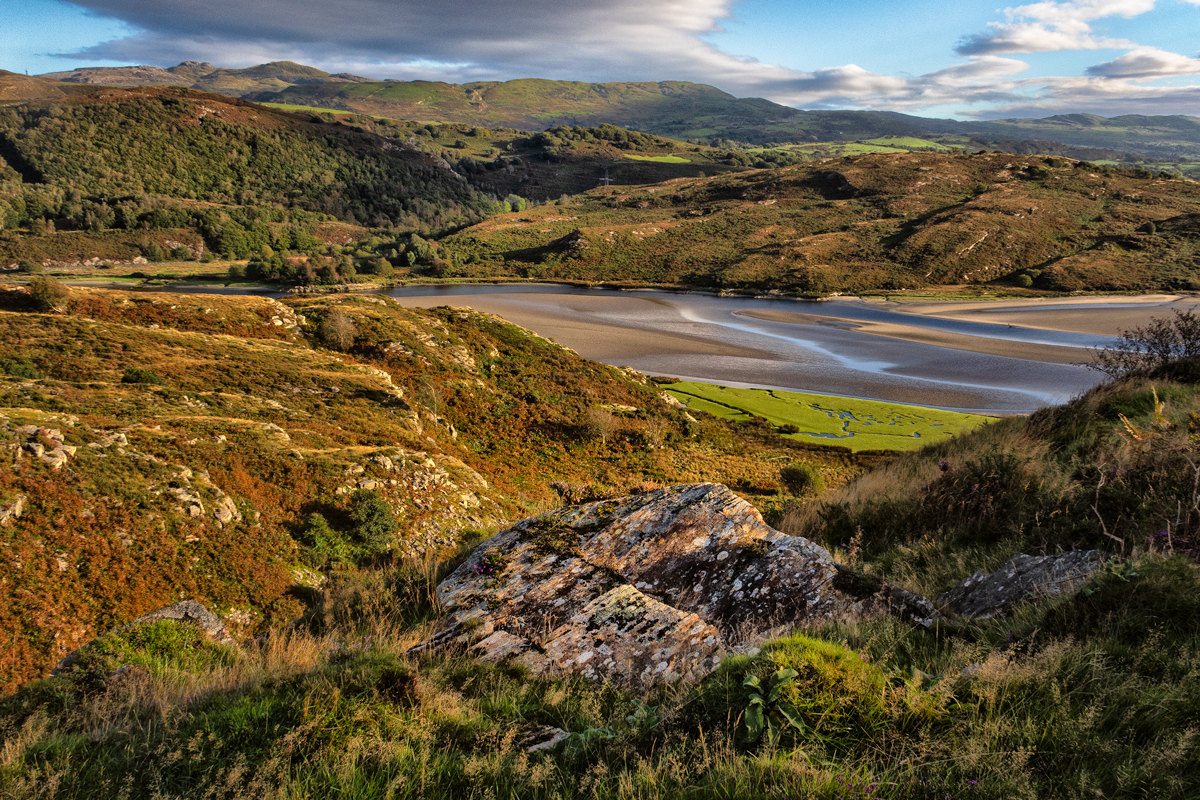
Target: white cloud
1049 26
1147 63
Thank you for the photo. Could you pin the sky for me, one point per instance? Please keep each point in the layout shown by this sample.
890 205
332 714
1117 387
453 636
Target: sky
964 59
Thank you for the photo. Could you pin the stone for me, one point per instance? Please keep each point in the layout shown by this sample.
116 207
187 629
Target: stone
650 588
987 595
13 510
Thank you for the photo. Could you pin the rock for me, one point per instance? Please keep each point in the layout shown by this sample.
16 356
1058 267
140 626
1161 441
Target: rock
649 588
185 611
986 595
13 510
55 459
546 738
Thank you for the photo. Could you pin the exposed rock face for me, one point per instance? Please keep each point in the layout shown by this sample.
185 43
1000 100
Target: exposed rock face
648 588
188 611
986 595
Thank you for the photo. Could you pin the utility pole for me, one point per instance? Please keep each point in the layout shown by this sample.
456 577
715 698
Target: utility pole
606 181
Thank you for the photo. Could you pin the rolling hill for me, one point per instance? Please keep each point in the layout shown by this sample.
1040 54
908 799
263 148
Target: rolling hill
669 108
861 223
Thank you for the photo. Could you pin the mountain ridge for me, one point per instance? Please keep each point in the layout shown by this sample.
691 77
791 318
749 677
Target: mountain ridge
670 108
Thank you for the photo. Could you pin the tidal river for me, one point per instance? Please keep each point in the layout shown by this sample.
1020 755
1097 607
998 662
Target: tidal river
1007 357
878 350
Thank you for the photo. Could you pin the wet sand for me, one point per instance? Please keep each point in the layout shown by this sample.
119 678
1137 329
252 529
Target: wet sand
736 341
1046 353
1102 316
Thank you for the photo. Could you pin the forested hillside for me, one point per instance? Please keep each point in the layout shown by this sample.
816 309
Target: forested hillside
177 158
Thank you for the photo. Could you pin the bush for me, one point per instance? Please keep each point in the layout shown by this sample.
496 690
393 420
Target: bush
140 375
325 547
1151 347
46 292
374 525
29 268
337 332
801 478
236 272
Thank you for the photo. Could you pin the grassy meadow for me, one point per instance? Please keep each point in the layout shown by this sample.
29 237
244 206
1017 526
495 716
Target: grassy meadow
848 421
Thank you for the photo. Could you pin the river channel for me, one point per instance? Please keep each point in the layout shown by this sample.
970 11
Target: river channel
990 358
844 347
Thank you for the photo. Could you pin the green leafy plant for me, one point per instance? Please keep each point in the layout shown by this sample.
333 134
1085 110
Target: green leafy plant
766 712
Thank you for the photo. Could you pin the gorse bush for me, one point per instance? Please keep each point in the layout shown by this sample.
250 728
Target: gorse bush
372 523
802 478
46 293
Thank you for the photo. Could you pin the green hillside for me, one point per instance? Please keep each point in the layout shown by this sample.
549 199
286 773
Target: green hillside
864 223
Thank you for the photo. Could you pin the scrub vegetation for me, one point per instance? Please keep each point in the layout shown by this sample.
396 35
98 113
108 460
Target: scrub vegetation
1085 695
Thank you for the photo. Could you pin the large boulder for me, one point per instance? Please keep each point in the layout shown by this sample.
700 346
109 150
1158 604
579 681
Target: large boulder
985 595
648 588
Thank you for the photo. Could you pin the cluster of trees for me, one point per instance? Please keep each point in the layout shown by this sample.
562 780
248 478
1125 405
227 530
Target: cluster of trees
375 258
88 162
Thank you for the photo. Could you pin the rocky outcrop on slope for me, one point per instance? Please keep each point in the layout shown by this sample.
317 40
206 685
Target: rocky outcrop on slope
986 595
648 588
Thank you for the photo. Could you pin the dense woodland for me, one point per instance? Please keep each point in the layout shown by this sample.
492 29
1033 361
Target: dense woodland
101 165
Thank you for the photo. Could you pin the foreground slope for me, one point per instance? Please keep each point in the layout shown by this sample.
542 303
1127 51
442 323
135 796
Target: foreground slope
1085 695
168 445
862 223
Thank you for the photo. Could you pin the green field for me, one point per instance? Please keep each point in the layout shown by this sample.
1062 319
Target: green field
311 109
857 424
660 159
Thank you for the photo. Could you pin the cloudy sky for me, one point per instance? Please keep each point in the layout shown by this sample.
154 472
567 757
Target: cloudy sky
963 59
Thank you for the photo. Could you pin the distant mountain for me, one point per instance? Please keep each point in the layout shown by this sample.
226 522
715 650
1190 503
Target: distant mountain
669 108
274 76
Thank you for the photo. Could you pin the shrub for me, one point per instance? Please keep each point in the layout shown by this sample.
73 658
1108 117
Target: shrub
46 292
140 375
236 272
1152 346
801 478
29 267
374 526
325 546
337 332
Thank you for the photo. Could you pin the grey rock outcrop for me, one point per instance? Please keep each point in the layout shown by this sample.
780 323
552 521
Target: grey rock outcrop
985 595
648 588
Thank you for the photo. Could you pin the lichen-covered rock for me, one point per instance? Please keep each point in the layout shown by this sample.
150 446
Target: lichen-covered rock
986 595
648 588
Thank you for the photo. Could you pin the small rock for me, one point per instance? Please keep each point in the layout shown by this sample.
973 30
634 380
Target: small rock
986 595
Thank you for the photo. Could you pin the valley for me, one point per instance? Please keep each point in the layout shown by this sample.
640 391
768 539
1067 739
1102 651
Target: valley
566 440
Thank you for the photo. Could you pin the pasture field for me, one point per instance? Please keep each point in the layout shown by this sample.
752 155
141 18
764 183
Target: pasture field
851 422
660 159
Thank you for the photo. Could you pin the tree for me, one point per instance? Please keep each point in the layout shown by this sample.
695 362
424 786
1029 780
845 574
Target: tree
46 293
373 521
337 332
601 424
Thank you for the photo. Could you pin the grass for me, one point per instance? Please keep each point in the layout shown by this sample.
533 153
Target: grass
661 159
1094 694
857 424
